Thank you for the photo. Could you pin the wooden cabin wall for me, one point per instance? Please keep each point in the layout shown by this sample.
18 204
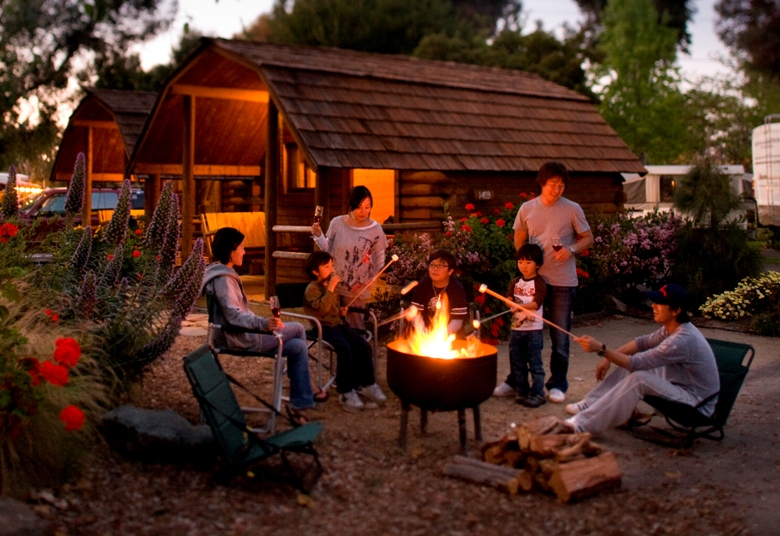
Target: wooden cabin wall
422 194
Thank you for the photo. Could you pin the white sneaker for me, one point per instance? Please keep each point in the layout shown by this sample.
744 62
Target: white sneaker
504 390
350 401
574 409
571 423
556 395
372 392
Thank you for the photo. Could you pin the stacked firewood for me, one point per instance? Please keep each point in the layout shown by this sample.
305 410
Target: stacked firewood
545 455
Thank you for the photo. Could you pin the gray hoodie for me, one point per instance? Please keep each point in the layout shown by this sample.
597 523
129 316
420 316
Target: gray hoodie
229 307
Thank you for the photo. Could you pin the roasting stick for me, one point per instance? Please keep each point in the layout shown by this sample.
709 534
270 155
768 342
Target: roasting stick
392 260
485 290
476 323
408 313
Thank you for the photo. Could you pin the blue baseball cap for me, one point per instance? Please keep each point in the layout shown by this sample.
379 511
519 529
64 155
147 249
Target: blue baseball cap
672 295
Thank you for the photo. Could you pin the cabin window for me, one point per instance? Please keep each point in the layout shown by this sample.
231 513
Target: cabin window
667 188
298 175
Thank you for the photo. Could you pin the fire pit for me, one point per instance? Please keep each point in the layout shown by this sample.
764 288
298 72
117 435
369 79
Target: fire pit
442 383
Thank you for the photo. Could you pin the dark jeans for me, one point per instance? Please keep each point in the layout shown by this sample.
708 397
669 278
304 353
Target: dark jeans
354 363
557 308
525 354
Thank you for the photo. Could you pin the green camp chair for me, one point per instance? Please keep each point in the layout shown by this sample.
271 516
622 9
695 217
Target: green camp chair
733 360
239 446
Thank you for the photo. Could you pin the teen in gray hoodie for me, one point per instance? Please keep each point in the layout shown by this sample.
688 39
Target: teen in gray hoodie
220 281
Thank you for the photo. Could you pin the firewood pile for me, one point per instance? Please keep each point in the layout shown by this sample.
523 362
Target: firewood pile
543 455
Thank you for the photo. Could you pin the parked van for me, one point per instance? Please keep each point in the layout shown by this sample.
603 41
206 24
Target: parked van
51 202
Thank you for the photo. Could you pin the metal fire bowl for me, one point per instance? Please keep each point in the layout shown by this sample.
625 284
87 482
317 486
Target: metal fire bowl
441 384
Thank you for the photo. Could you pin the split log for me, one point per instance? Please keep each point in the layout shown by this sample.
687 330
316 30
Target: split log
550 445
580 478
503 478
534 428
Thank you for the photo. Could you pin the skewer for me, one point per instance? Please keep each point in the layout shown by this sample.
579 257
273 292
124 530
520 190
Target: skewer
476 323
408 287
392 260
485 290
407 313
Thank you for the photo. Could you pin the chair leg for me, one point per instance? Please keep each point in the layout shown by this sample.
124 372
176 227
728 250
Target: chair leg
277 394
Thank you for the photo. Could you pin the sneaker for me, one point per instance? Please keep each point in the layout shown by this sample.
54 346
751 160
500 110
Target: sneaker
534 401
574 409
572 425
372 392
556 395
504 390
350 401
520 399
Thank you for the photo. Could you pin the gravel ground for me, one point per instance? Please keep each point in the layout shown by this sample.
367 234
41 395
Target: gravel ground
370 486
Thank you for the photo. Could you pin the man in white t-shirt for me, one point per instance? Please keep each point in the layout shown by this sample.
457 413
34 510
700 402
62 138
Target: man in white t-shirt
559 227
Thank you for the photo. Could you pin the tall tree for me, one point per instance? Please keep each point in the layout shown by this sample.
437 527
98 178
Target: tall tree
640 97
678 14
751 28
44 41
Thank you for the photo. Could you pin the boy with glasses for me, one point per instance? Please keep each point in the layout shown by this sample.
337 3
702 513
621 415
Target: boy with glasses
439 289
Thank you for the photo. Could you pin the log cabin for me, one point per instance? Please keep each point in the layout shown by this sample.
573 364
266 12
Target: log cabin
261 127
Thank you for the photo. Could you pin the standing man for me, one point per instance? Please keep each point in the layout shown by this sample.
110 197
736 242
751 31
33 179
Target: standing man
675 362
559 227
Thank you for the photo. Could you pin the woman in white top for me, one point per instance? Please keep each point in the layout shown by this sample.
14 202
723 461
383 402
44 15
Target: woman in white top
357 244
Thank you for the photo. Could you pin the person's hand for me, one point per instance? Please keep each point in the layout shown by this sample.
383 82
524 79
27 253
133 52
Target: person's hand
602 368
563 254
588 343
343 310
275 324
334 280
316 230
516 309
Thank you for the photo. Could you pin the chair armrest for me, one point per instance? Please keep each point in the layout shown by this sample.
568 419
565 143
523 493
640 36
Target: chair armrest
314 320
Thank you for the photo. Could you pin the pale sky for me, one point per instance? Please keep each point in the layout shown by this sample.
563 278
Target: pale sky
224 18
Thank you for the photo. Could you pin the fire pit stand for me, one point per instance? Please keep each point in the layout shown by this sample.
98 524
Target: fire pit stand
405 407
434 384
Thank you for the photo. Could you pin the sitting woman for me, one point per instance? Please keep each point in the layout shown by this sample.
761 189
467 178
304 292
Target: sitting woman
221 281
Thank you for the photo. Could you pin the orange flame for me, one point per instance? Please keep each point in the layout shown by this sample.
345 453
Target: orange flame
436 341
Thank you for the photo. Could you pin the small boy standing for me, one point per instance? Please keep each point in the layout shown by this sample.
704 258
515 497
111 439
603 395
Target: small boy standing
354 364
525 344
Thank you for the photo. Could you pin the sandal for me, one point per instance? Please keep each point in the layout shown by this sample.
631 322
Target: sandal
297 417
321 396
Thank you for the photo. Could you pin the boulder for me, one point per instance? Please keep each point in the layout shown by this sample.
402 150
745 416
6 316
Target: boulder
156 435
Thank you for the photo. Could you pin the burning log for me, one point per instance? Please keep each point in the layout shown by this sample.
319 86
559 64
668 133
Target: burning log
544 454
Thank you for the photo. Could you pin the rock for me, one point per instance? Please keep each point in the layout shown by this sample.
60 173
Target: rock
18 519
156 435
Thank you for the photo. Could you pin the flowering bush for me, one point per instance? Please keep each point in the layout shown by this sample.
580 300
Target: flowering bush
756 297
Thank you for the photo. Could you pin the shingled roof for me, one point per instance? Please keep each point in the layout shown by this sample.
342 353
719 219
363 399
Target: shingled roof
117 118
361 110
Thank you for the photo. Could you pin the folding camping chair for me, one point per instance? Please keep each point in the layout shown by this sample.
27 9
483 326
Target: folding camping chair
291 297
239 446
733 360
218 344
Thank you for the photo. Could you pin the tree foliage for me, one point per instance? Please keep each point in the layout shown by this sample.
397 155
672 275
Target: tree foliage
751 28
640 97
42 44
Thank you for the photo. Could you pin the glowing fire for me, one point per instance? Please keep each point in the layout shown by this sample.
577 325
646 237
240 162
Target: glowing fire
435 341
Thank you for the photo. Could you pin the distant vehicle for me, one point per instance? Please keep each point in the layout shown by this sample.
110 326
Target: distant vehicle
51 202
25 190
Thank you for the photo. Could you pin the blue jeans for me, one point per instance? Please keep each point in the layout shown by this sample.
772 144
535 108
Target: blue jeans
525 354
557 308
296 351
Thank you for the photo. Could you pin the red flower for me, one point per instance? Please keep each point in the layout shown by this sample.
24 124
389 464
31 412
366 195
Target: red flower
53 373
585 275
157 257
469 207
533 195
480 299
524 195
579 271
67 351
487 310
466 228
491 342
55 317
484 221
136 253
3 239
510 206
48 312
11 229
138 232
464 220
500 321
496 212
478 214
110 257
73 418
585 253
500 222
448 234
139 277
